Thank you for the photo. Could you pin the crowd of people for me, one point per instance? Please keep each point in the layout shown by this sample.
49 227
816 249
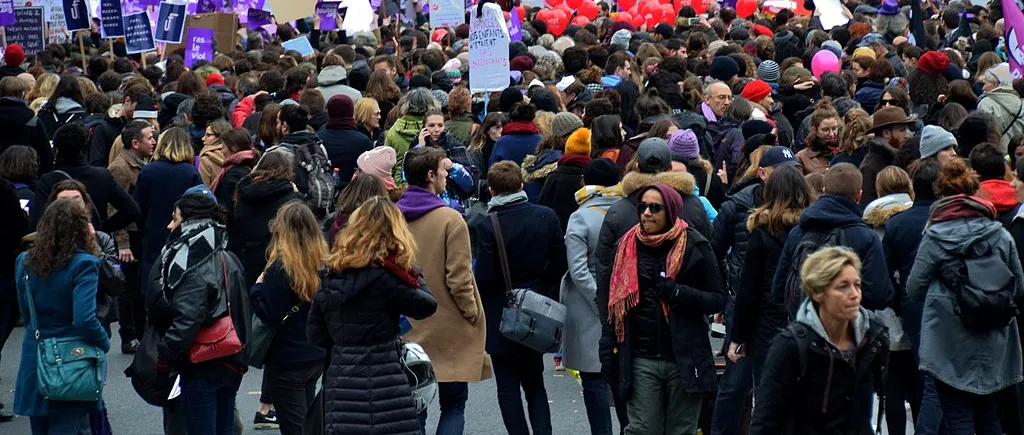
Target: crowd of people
336 219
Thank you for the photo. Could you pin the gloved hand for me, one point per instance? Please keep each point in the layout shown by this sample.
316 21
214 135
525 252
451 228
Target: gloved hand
666 288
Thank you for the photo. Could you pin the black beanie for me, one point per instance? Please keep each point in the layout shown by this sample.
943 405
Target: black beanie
601 172
509 97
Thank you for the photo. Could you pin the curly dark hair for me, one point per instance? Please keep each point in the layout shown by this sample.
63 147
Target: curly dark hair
18 162
208 108
63 229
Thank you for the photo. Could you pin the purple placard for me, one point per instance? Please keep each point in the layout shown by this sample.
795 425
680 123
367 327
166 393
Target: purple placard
515 29
145 3
258 18
375 4
328 13
7 13
199 46
243 6
129 7
206 6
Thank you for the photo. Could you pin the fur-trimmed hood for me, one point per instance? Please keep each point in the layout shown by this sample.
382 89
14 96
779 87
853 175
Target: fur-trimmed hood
682 182
534 172
635 181
879 211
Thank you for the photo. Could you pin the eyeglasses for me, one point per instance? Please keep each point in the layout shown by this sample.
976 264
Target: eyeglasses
654 207
889 102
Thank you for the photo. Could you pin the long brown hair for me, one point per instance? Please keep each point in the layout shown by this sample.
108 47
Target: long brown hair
63 229
297 242
786 194
855 131
362 188
380 87
375 231
267 130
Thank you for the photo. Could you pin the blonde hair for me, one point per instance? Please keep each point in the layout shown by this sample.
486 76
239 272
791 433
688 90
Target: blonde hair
298 243
857 126
365 109
893 179
43 87
755 161
175 146
543 120
823 266
376 231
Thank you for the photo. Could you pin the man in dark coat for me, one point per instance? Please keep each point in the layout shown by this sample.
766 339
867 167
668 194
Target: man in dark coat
560 186
20 125
69 141
105 129
14 56
891 127
342 141
536 260
837 208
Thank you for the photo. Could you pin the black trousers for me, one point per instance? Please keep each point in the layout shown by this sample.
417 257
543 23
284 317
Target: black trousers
131 305
9 311
293 387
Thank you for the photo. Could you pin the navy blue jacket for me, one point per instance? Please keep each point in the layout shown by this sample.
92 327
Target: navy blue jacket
869 94
514 147
271 301
343 148
903 234
827 213
161 184
536 256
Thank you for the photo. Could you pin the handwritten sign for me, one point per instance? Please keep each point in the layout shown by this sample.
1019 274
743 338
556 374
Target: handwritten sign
328 13
172 23
257 18
76 15
138 34
7 17
111 18
300 44
488 50
447 13
27 30
199 46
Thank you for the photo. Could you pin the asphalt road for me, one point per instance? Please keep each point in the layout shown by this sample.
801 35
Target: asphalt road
130 415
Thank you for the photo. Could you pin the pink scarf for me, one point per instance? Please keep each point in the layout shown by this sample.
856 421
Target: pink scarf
230 162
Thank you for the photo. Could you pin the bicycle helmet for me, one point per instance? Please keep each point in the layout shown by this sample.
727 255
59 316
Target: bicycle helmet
420 373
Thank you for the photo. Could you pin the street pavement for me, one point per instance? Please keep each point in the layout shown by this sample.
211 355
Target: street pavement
131 415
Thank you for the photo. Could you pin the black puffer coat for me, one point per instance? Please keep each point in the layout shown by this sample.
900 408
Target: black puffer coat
880 154
354 317
250 226
730 238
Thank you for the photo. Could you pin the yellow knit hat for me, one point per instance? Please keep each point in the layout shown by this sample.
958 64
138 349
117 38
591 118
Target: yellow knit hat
864 51
578 142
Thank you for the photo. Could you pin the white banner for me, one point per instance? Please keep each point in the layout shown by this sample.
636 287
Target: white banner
447 13
488 50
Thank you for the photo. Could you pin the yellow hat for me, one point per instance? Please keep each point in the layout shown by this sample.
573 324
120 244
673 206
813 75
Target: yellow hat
864 51
578 142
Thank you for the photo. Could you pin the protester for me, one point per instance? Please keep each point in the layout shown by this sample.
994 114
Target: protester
239 159
370 281
342 139
891 127
22 126
519 137
407 130
211 156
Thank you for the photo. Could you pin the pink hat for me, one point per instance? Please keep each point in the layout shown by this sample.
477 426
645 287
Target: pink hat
379 162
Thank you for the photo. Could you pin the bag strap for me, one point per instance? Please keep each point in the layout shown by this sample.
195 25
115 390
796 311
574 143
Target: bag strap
1015 118
224 271
503 256
599 209
31 306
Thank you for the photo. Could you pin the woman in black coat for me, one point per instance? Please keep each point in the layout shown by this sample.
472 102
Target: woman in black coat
758 318
257 198
823 370
559 189
239 159
370 282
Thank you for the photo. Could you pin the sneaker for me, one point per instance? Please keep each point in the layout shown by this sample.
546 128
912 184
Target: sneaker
129 348
6 416
266 421
558 364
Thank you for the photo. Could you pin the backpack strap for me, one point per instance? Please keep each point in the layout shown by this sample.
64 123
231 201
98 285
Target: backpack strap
599 209
1015 118
803 344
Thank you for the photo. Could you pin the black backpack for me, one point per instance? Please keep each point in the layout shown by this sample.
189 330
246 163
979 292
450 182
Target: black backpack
810 243
983 287
314 174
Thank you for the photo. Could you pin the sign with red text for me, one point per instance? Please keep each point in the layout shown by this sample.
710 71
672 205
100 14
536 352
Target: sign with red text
488 50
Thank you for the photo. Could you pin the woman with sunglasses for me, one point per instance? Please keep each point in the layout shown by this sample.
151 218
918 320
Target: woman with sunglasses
655 345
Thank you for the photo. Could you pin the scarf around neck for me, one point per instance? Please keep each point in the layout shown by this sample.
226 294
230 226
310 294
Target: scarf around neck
592 191
624 291
961 207
230 162
502 200
191 244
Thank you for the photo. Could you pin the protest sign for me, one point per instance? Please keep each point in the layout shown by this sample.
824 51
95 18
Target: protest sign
328 13
359 17
447 13
300 44
831 13
27 30
111 18
199 46
172 23
206 6
56 27
515 28
1013 20
288 10
488 50
257 18
7 12
224 25
76 15
138 35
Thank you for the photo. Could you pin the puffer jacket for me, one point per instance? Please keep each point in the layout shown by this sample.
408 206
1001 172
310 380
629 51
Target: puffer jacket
683 337
829 395
730 237
354 317
1006 107
880 154
227 98
728 145
255 206
536 169
192 284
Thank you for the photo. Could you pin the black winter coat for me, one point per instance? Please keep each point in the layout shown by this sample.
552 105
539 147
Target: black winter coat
249 232
559 191
104 131
225 192
344 145
272 302
354 316
103 190
699 293
832 397
758 317
880 154
21 127
730 237
903 234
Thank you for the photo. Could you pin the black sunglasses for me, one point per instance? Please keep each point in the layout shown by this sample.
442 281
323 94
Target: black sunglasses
655 208
885 102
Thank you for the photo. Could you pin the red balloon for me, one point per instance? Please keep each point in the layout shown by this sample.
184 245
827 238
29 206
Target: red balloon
638 21
564 8
625 5
665 2
522 13
555 3
668 14
648 5
635 10
555 19
653 17
624 17
746 8
574 4
580 20
698 6
588 9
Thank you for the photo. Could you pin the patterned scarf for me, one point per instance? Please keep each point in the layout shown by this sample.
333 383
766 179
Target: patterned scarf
624 292
191 244
591 191
961 207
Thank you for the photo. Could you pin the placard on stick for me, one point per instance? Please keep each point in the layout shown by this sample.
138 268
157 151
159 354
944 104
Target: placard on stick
111 18
171 22
28 30
138 34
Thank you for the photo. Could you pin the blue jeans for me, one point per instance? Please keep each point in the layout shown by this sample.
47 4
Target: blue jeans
62 422
452 397
929 418
208 404
525 371
965 413
595 397
736 383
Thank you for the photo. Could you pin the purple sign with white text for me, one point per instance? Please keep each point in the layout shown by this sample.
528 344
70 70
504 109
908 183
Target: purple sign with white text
328 13
7 13
258 18
199 46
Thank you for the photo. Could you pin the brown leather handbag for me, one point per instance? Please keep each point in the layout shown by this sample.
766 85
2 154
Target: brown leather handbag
219 339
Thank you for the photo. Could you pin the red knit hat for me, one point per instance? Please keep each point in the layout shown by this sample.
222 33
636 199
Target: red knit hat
214 79
933 63
14 55
761 29
756 90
